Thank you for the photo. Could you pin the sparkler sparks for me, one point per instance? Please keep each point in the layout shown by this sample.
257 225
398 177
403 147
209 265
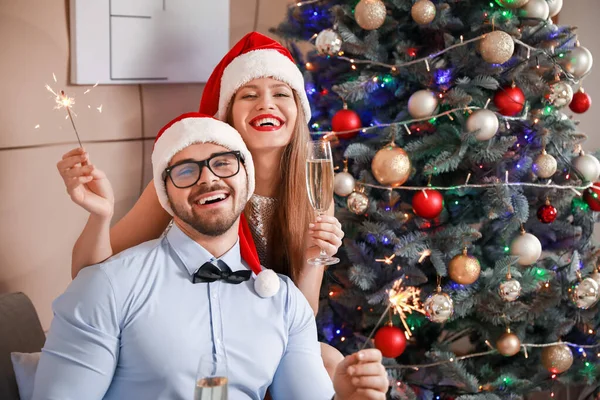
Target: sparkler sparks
63 101
405 300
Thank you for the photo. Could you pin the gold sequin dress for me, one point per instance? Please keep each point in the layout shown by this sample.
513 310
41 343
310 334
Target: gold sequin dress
260 213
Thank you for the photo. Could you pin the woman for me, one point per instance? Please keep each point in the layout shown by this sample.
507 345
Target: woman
257 89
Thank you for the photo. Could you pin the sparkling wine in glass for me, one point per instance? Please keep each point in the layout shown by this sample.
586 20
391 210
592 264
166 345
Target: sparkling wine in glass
319 183
211 380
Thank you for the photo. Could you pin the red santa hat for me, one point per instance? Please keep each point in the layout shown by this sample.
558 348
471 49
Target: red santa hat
188 129
254 56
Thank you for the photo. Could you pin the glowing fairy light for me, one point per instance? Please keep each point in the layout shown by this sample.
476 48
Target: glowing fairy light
405 300
386 259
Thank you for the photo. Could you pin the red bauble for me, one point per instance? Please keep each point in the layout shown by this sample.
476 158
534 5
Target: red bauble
581 102
509 101
346 120
592 197
428 203
390 340
547 213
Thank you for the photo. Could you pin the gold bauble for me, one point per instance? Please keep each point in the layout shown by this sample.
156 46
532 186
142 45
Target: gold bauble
497 47
391 166
423 12
512 3
464 269
544 165
508 344
557 358
357 202
370 14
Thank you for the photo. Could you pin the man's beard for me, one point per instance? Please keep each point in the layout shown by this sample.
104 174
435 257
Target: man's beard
210 224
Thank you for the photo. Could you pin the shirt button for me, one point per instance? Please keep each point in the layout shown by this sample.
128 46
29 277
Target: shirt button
219 342
214 295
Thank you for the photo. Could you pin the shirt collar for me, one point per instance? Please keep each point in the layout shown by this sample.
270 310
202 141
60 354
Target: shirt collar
193 255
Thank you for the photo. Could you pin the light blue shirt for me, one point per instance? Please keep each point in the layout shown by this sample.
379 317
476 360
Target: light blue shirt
135 327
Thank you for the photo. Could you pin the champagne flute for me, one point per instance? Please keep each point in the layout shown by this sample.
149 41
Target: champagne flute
211 379
319 183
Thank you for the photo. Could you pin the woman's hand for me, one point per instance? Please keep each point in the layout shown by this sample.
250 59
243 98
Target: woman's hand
326 233
87 186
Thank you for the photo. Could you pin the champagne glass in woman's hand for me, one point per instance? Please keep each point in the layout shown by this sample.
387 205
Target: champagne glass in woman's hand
211 381
319 183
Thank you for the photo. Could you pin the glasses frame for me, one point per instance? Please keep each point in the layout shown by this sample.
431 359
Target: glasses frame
201 165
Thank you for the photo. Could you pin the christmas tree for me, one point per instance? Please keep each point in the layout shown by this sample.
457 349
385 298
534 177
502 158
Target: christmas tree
466 199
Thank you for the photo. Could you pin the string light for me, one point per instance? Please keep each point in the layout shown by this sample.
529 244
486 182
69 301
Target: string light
386 259
307 2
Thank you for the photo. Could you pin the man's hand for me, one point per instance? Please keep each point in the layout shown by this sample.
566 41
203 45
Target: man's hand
361 376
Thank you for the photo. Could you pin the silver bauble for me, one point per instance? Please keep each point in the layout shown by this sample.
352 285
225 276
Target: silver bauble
484 122
578 61
560 94
588 166
555 6
510 290
370 14
534 12
423 12
497 47
328 42
585 293
512 3
358 202
544 165
527 247
422 104
343 183
438 307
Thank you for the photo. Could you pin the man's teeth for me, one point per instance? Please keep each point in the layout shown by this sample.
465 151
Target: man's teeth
204 200
268 121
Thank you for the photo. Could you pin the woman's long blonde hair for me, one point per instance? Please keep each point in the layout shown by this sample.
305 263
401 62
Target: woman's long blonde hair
287 238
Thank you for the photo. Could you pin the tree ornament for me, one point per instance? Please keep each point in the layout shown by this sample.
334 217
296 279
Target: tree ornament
508 344
423 12
534 12
484 123
346 121
497 47
512 3
581 102
560 93
587 165
422 104
370 14
585 293
554 7
358 202
596 276
509 101
438 306
391 165
578 61
591 196
428 203
527 247
328 42
510 289
544 165
464 269
343 182
390 340
557 358
547 213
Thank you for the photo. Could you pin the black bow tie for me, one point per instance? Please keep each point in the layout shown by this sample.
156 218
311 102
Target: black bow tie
210 273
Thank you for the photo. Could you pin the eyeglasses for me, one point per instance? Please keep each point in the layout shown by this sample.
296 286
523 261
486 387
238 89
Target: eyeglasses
187 173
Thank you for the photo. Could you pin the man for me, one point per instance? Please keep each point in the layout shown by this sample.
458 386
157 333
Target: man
136 326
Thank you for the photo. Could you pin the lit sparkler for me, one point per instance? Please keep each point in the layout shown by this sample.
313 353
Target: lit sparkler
66 102
404 300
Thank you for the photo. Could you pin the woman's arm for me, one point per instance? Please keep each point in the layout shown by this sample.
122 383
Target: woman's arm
145 221
328 234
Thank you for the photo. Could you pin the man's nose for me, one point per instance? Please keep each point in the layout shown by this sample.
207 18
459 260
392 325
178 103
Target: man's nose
206 176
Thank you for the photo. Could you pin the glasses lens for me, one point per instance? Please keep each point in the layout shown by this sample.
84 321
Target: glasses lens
225 165
185 175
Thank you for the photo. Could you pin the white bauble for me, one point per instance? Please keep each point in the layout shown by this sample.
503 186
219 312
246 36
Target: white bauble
537 10
578 61
588 166
527 247
585 293
555 7
485 122
267 283
422 104
343 183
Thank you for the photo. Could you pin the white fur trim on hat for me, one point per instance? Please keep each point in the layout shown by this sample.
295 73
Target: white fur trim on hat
189 131
260 64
